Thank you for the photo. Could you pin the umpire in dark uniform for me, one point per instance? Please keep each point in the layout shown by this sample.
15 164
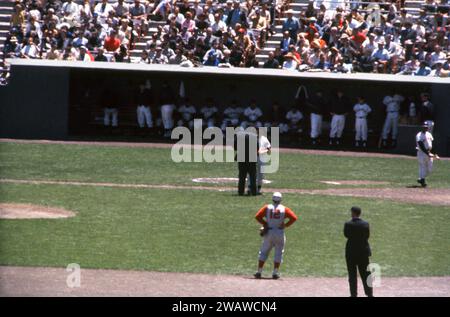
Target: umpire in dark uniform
357 252
246 147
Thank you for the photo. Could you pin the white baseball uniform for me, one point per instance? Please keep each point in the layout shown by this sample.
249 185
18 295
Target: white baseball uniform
264 144
252 116
294 117
232 116
361 112
208 114
144 115
187 113
275 215
391 122
316 125
337 125
111 115
167 116
425 161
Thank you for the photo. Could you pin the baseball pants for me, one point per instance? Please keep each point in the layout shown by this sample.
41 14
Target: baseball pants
259 174
390 125
361 265
425 164
144 115
110 117
273 240
167 116
316 125
337 125
361 129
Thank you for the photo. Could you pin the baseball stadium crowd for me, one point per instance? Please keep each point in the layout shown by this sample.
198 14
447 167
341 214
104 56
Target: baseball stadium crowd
335 35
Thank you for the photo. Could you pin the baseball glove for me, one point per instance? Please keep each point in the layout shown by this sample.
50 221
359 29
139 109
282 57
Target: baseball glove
263 231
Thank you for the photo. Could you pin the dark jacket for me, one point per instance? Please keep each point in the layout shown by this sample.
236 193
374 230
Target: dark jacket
357 233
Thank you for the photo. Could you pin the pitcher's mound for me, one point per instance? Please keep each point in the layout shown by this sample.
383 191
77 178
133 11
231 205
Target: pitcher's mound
26 211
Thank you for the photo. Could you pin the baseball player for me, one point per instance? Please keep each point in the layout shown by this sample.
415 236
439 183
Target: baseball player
361 110
232 115
264 148
427 111
187 113
338 110
273 217
318 106
209 112
424 144
252 115
144 98
294 117
167 101
392 103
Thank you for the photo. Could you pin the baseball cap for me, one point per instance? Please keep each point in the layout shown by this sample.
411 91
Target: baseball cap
277 196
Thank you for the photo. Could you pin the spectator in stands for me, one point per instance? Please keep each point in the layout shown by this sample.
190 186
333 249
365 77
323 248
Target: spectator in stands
138 14
29 49
102 11
423 69
291 24
121 9
112 43
83 54
237 15
290 62
100 55
178 58
286 42
159 57
271 61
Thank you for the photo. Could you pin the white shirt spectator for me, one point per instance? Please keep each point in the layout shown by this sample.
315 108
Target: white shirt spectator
102 10
290 64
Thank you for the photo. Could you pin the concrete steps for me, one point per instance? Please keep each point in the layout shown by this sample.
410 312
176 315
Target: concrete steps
6 9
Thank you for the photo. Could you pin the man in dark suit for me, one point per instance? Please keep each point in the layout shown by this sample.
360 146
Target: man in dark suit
246 147
357 252
285 42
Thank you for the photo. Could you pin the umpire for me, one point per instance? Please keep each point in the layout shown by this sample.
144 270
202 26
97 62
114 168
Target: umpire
357 252
246 147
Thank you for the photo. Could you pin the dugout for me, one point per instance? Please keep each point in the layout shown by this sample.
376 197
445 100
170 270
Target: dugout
61 100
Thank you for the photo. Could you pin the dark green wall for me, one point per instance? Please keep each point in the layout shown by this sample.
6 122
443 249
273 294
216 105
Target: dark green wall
35 103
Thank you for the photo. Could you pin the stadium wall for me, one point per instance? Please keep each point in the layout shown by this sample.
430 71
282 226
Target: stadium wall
47 99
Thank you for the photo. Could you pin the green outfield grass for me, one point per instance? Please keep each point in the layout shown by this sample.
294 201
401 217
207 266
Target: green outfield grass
209 231
154 166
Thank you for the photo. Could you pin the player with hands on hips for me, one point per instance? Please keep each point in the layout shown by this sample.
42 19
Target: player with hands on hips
272 217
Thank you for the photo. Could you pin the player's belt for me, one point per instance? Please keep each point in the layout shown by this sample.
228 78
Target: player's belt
392 111
361 117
